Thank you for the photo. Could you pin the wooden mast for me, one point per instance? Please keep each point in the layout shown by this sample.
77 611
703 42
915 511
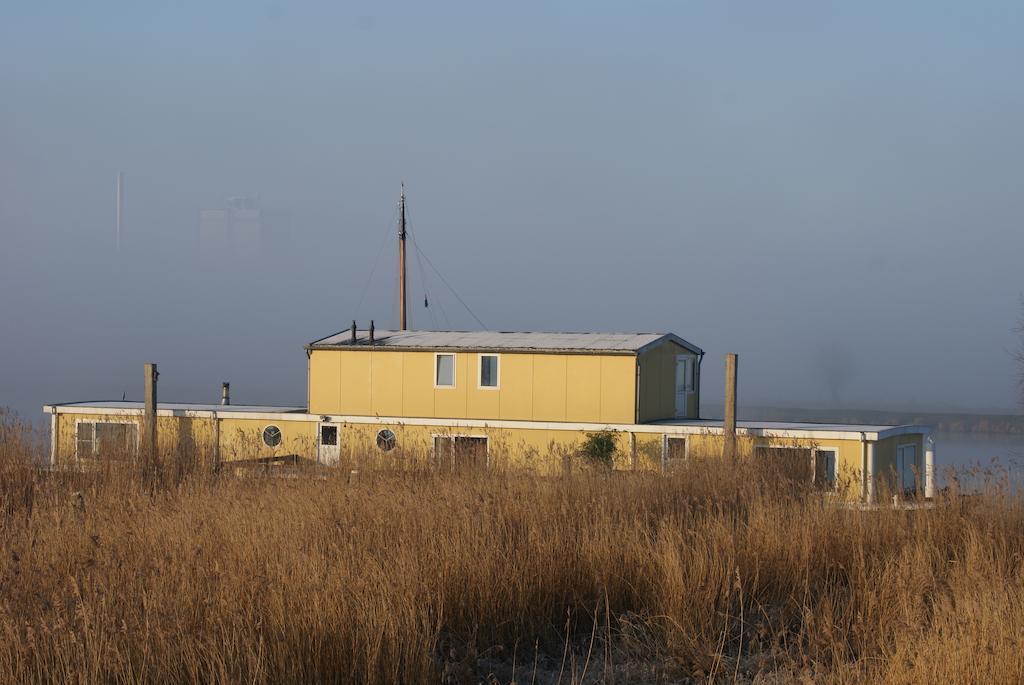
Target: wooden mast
401 261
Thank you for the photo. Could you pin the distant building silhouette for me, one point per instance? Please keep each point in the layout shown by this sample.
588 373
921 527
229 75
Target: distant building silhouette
236 230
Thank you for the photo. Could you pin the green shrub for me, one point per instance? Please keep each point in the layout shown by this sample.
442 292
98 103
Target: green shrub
599 448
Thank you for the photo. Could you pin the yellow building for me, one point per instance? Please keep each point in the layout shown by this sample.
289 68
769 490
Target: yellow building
461 400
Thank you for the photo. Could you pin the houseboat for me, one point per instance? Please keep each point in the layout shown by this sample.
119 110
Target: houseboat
463 400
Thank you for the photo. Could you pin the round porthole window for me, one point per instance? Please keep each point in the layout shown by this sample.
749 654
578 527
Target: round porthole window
272 436
386 440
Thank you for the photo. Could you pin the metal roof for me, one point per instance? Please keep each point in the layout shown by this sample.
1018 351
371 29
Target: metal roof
787 425
180 406
593 343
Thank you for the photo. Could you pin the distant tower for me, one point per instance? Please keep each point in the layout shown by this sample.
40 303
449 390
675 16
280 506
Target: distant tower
119 189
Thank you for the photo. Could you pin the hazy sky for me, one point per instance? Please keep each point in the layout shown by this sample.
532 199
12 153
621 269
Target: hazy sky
833 190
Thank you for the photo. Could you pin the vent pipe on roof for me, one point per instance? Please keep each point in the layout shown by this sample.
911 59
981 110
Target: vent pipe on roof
225 393
371 331
353 331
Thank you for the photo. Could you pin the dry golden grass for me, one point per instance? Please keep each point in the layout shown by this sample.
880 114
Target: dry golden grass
410 578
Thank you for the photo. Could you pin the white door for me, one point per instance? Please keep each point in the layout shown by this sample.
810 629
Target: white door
684 383
328 444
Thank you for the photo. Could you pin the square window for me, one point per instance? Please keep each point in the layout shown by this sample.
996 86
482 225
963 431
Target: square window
825 467
444 371
118 439
111 436
675 452
460 453
328 435
85 439
488 370
470 453
684 374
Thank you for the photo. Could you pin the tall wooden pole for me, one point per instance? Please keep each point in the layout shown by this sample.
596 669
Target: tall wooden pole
149 418
401 261
731 362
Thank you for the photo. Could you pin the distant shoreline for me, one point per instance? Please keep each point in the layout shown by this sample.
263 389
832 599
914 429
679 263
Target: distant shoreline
946 422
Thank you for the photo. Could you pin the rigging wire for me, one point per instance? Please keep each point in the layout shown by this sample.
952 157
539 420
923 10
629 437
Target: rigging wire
420 258
423 281
373 269
448 285
444 314
426 293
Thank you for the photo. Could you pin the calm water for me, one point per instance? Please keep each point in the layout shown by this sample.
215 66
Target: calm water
977 457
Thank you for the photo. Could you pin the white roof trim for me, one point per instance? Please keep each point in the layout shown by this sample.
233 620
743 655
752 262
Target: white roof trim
187 413
670 337
826 432
500 341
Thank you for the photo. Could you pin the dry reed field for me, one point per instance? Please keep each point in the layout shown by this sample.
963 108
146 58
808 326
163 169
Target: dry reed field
113 575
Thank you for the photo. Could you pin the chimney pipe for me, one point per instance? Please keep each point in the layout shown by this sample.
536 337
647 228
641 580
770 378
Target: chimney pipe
353 331
371 331
225 393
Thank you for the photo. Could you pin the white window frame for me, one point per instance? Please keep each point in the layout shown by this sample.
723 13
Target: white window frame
480 370
451 439
899 466
263 432
92 452
455 370
689 391
664 448
691 371
835 460
319 434
394 439
95 442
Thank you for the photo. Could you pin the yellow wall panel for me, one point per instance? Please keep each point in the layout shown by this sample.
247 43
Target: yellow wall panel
516 387
658 383
618 389
451 402
583 388
417 384
355 383
242 439
387 383
324 381
535 449
549 387
482 403
538 387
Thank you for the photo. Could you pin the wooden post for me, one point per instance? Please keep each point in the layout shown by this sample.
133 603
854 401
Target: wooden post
869 480
149 417
729 423
929 468
216 442
54 437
